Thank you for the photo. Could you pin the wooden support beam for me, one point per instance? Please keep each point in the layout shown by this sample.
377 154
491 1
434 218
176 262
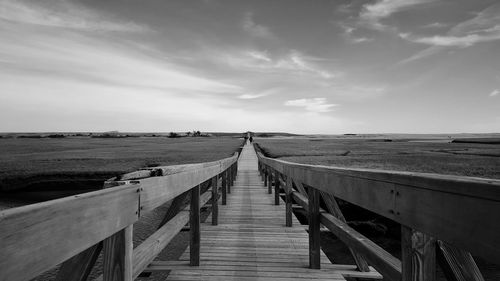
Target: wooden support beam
194 222
269 180
215 201
457 264
224 187
79 267
288 200
334 209
118 250
229 179
418 256
276 188
265 175
175 207
314 231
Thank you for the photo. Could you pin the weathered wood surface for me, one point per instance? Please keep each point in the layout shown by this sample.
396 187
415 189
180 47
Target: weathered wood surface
117 256
457 265
445 207
418 257
251 241
384 262
37 237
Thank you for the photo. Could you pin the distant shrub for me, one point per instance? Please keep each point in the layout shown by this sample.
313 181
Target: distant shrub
30 137
56 136
173 135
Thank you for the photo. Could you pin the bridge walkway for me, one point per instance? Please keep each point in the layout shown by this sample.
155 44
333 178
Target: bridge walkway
251 241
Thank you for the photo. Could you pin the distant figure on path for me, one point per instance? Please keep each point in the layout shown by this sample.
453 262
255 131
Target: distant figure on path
251 139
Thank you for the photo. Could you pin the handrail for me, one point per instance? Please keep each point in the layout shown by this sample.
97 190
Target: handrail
462 211
35 238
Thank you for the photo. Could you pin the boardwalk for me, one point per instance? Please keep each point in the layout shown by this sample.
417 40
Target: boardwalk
251 241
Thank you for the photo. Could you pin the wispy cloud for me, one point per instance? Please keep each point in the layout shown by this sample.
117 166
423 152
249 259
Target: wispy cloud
264 93
293 62
484 27
435 25
495 93
372 14
318 105
255 29
62 14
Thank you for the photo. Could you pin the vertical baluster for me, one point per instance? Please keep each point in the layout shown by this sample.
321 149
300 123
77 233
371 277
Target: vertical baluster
314 233
118 250
215 201
194 222
288 199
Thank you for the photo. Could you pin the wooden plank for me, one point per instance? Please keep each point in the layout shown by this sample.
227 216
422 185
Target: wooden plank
334 209
174 208
288 199
276 188
79 267
194 222
418 255
314 234
224 187
146 252
117 249
215 201
445 207
30 245
457 264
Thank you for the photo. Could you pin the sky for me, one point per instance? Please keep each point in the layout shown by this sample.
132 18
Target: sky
319 67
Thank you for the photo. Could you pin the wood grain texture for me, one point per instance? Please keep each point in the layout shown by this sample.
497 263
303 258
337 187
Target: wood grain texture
457 265
334 209
117 256
277 182
288 199
443 206
79 267
35 238
224 187
314 234
215 201
418 257
194 223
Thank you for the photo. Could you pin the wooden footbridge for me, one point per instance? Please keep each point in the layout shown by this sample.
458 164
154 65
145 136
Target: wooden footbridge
252 233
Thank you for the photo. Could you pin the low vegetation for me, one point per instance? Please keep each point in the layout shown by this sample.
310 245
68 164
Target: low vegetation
455 158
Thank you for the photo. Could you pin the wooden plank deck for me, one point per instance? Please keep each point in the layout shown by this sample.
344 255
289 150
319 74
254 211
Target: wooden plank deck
251 241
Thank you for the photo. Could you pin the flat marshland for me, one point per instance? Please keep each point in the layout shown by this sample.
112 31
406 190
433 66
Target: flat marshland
477 157
45 167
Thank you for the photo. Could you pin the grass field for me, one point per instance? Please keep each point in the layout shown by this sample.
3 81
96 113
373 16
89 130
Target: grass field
428 156
54 163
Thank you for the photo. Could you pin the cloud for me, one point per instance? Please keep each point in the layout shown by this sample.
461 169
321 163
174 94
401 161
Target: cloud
265 93
483 27
293 62
256 30
360 40
317 105
62 14
495 93
371 14
435 25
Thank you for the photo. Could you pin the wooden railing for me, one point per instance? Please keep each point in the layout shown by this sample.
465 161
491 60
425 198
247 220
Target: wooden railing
74 230
443 218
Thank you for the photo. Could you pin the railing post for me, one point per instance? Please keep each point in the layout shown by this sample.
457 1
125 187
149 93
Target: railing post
288 200
418 257
229 175
194 223
224 187
215 201
117 255
314 233
276 188
264 169
269 181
